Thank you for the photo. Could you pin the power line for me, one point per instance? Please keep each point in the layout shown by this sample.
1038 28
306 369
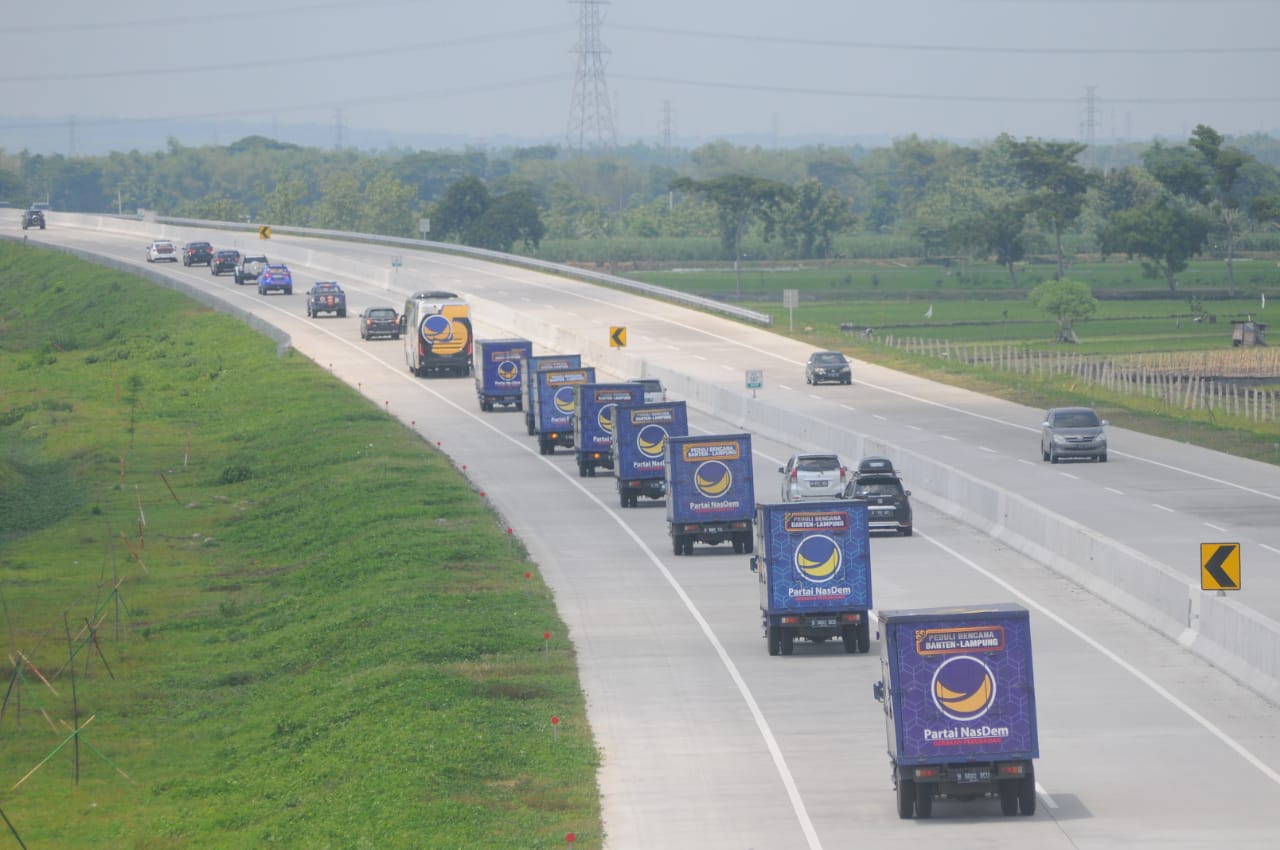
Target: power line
590 113
948 48
168 21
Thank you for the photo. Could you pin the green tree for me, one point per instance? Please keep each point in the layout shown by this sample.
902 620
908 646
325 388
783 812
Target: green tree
340 202
1163 232
388 207
1067 301
285 204
509 218
1001 231
1056 184
811 219
1223 195
739 200
460 208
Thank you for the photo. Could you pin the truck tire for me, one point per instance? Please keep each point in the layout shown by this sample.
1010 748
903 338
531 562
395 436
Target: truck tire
677 544
906 799
1009 797
748 542
582 469
924 800
774 639
738 545
1027 795
623 501
528 423
788 641
849 638
864 636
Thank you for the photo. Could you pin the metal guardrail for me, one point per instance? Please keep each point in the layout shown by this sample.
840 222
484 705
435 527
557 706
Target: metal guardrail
685 299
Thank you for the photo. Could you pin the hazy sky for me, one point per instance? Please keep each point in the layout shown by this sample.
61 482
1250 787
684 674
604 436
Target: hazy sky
962 69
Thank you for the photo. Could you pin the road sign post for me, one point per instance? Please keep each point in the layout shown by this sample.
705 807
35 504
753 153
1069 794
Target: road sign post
755 380
791 300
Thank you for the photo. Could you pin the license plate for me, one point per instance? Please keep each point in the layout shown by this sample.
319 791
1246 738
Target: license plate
973 776
819 482
823 623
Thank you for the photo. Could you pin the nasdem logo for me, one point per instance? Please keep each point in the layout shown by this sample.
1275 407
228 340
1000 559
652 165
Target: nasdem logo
564 400
508 371
604 418
817 558
651 440
713 479
437 328
963 688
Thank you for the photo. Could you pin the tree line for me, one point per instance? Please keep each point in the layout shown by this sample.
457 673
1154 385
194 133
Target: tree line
1003 200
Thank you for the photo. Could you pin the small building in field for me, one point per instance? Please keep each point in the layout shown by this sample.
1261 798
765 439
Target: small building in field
1248 332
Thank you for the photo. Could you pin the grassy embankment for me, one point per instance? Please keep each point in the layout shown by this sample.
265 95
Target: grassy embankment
321 637
978 306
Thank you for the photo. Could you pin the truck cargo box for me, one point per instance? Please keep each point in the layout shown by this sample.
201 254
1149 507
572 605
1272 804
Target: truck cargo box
640 435
528 377
498 369
595 409
710 491
554 404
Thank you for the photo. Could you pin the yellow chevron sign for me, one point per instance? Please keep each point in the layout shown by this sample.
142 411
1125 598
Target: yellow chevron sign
1219 566
618 337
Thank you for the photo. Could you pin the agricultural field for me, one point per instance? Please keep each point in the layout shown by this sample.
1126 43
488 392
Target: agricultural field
213 641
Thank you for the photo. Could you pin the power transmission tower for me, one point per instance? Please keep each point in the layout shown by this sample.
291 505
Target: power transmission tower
1090 114
590 113
666 124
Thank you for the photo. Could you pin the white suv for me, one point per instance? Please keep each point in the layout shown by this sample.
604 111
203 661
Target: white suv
653 389
813 476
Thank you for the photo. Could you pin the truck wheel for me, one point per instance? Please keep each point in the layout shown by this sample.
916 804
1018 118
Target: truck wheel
774 639
737 544
906 799
677 544
623 501
1027 795
924 800
849 638
1008 797
788 641
582 470
864 636
528 424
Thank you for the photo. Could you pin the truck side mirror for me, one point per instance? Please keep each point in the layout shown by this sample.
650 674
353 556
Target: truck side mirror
402 323
755 567
877 691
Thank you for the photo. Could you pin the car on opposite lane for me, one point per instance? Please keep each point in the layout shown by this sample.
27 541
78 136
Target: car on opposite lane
1073 432
378 322
828 367
813 476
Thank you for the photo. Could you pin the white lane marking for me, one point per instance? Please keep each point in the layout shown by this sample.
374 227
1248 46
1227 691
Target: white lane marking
949 437
987 450
1069 475
1114 490
1044 795
814 395
787 387
1270 548
1216 527
1027 462
914 428
1162 507
1159 689
848 407
881 418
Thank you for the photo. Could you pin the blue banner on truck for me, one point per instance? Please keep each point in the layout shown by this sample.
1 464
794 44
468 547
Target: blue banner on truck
597 406
817 556
640 437
555 399
961 683
710 478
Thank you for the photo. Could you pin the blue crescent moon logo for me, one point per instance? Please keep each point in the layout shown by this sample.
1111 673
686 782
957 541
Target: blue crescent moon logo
564 400
818 558
651 440
713 479
605 417
963 688
508 371
437 328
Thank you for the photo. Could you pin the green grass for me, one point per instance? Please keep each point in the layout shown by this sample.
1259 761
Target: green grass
322 639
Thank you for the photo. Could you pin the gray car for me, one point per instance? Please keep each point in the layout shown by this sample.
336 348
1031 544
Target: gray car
1073 432
813 476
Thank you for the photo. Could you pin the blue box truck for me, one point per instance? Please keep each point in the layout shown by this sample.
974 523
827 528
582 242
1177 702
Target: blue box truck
553 405
711 492
960 706
640 434
498 366
595 408
813 566
529 371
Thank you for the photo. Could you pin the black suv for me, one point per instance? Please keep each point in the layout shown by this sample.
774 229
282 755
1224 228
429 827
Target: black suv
224 261
197 254
888 502
33 218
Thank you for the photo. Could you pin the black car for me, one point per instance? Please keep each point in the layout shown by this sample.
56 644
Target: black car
379 322
888 502
324 296
197 254
33 218
828 367
224 261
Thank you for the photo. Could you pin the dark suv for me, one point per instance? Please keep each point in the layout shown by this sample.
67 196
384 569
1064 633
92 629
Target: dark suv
888 502
224 261
33 218
197 254
825 367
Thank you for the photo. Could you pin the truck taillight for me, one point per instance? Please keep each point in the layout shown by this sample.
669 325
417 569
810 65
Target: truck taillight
790 621
850 618
1011 770
926 772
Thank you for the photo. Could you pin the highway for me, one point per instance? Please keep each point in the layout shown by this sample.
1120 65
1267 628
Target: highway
710 743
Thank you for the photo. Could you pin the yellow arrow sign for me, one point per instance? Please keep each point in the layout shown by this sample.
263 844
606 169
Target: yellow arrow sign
618 337
264 232
1219 566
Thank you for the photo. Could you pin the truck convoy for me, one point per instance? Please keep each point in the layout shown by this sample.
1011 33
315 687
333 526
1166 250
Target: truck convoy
960 705
437 334
594 418
498 365
814 571
529 376
640 434
553 404
710 491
